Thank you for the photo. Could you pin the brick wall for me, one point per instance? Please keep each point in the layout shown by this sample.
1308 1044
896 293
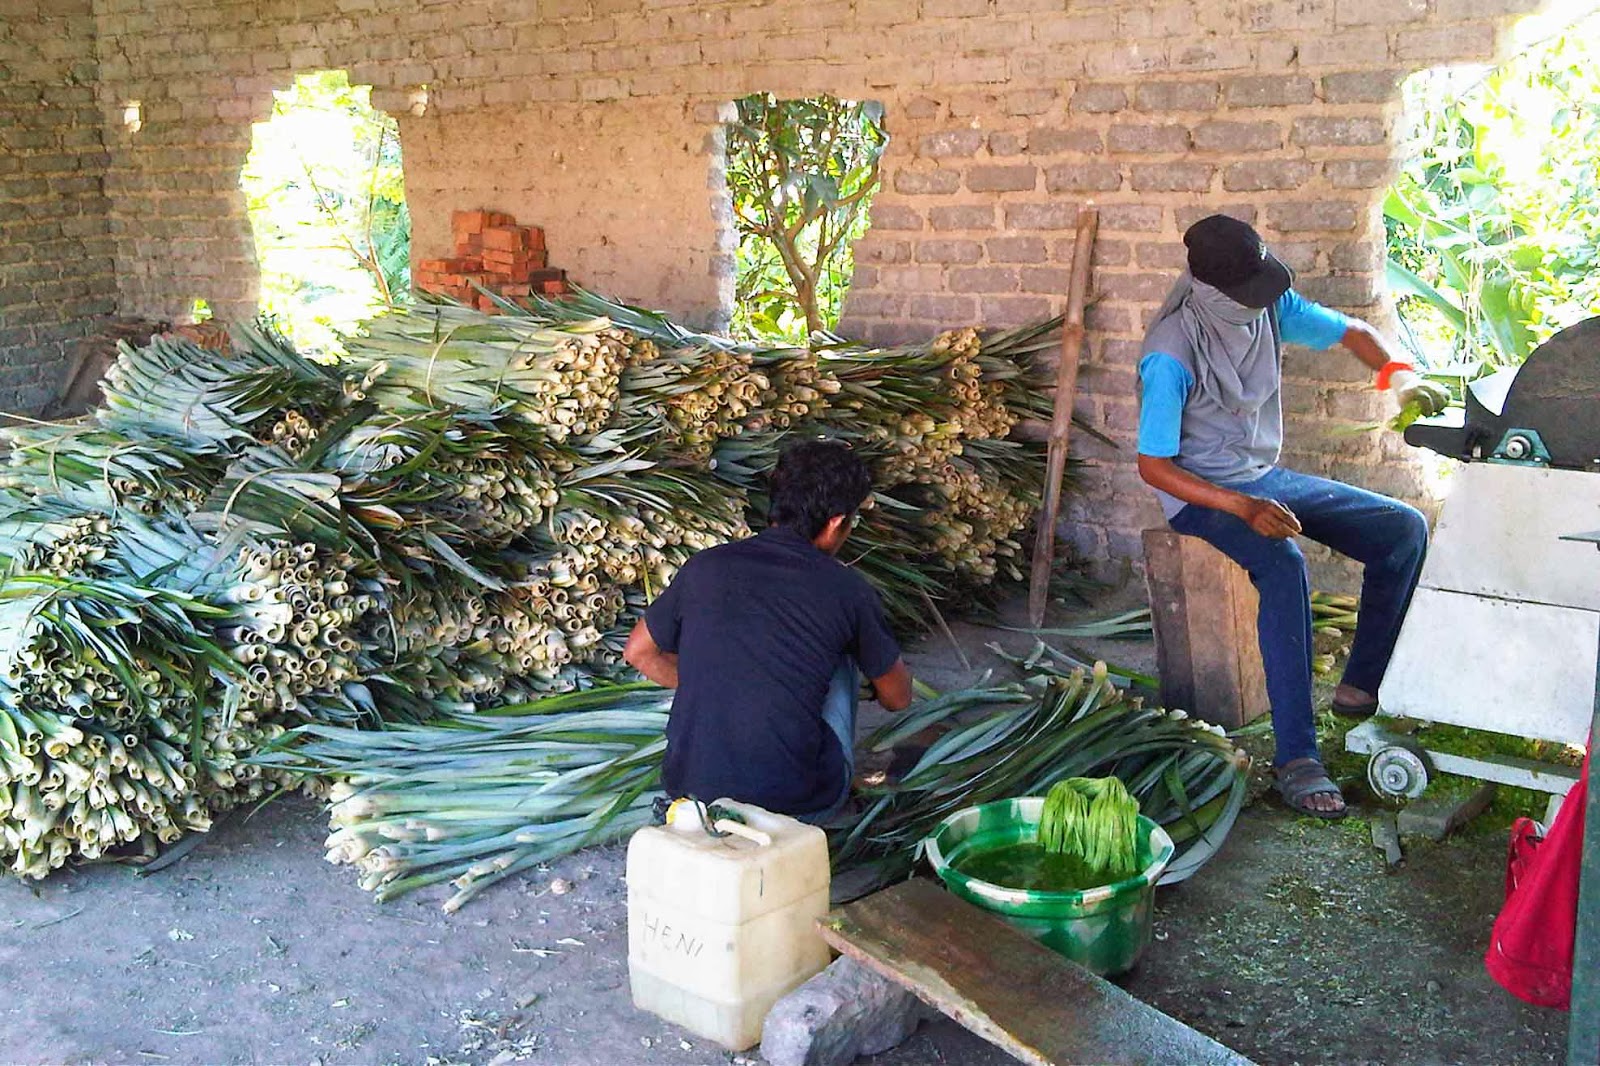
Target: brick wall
55 253
585 173
596 119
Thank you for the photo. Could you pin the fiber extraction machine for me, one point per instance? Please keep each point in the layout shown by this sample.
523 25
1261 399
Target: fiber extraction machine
1502 632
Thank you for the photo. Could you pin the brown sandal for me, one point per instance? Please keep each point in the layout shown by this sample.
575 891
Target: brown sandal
1298 781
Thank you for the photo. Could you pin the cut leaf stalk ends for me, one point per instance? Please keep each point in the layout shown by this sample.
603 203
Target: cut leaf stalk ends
462 517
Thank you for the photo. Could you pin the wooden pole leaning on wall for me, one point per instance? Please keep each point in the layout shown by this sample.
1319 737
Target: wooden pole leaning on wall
1044 545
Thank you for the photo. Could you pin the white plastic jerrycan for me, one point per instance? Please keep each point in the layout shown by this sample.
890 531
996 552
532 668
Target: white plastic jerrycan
722 926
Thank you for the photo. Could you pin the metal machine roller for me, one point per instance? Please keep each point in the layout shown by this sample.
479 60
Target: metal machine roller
1502 631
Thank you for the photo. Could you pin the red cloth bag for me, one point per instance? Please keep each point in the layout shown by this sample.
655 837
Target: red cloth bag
1530 951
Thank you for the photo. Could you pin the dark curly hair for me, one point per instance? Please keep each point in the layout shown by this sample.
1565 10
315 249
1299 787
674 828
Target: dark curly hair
813 481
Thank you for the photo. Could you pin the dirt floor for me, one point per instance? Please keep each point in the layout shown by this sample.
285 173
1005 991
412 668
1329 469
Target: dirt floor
1296 945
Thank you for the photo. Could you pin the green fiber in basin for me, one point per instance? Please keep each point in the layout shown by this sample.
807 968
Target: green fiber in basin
1104 928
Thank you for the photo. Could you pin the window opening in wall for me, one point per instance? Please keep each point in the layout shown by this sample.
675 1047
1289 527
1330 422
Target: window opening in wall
326 197
801 177
1493 222
133 116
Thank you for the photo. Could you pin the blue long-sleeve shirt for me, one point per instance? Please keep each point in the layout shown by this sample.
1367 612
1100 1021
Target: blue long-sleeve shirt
1199 434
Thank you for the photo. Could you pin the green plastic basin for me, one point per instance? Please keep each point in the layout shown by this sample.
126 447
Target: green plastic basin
1105 929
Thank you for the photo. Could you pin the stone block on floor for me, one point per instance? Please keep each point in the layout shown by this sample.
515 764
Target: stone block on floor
1436 818
844 1012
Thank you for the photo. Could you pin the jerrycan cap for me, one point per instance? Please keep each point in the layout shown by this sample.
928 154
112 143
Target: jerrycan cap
686 815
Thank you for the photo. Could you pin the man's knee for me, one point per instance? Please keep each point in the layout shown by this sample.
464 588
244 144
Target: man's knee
1417 526
1411 534
1279 560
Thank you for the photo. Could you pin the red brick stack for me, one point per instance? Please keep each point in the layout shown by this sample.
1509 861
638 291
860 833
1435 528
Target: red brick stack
494 252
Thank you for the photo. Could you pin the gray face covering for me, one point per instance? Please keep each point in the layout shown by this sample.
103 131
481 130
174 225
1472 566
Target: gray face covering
1236 356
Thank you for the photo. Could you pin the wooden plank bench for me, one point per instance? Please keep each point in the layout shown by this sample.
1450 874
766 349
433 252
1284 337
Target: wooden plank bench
1203 609
1006 987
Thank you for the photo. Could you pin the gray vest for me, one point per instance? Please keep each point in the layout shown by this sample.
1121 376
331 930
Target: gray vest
1216 444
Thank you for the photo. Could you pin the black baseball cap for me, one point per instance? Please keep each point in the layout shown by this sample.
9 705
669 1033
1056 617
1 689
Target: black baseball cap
1230 256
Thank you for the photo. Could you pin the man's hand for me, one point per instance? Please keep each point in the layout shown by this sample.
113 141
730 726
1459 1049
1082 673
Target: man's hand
894 688
1429 396
1268 517
1409 388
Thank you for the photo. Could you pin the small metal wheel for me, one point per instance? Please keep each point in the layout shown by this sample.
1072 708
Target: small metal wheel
1397 772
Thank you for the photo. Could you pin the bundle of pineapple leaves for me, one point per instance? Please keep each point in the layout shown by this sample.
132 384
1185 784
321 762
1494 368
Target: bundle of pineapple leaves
467 512
472 798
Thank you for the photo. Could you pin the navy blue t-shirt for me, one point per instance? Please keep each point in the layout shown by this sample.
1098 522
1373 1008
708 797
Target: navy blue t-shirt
759 627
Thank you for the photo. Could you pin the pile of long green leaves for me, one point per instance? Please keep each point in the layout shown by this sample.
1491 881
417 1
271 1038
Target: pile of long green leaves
952 491
1056 724
472 798
468 511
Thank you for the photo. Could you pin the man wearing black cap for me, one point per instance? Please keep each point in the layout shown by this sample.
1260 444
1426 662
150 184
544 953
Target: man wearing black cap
1210 432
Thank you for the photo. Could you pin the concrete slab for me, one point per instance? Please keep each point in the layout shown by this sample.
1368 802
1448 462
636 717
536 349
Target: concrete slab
1438 817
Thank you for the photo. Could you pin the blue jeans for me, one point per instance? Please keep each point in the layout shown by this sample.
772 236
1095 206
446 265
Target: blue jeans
839 712
1387 536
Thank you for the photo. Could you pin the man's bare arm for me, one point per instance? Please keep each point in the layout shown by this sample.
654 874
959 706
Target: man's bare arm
1267 517
644 655
894 688
1367 345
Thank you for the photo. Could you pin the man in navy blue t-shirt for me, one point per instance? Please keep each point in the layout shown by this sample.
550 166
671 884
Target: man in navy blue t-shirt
762 639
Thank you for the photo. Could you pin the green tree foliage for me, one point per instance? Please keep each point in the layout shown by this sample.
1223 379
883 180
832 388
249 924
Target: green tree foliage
1493 222
801 174
326 198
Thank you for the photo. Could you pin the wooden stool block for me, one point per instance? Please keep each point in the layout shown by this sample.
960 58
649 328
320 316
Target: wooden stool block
1204 611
